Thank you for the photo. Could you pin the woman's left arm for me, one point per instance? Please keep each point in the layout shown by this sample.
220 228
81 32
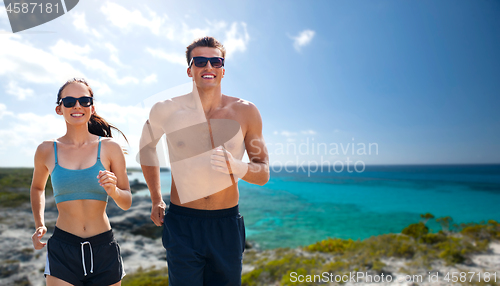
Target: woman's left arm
115 181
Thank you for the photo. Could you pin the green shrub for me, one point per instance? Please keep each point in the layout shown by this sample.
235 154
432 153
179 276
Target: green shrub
416 230
489 231
148 277
13 198
15 186
455 250
333 245
279 269
252 278
433 238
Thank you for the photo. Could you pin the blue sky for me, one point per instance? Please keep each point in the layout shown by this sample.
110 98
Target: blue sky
417 78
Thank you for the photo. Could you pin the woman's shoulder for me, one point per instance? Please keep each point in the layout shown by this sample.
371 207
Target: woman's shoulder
45 148
111 145
109 142
47 145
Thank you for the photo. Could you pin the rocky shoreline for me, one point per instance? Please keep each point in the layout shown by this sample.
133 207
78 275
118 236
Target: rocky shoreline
141 247
20 264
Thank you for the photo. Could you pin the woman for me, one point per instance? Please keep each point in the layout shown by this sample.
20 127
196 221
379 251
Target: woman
86 167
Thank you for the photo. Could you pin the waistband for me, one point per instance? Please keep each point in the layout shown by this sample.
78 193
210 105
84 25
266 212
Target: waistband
66 237
230 212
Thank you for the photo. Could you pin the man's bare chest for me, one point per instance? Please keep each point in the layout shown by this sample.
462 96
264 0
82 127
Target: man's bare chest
202 135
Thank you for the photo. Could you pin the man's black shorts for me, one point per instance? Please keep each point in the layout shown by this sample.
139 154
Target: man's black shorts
204 247
80 261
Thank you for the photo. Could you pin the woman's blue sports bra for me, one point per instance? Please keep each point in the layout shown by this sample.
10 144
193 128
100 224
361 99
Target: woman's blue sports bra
70 185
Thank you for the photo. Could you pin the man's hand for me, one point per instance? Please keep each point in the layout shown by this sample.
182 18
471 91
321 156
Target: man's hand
39 233
221 158
158 212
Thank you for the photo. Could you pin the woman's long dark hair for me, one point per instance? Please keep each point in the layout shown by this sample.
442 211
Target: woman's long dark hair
97 125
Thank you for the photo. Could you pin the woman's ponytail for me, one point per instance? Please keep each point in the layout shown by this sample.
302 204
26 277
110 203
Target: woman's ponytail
100 127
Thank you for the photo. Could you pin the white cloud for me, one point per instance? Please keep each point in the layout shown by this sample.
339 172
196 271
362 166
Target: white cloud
126 19
73 52
150 79
114 58
131 126
176 58
119 114
67 50
3 111
237 38
292 134
308 132
19 92
3 13
81 24
288 133
26 131
234 37
188 35
112 49
114 54
303 39
20 60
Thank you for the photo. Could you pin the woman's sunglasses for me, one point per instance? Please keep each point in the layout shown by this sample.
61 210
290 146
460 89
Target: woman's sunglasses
69 101
200 62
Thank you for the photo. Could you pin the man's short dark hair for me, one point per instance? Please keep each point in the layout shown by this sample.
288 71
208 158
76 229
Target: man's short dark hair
210 42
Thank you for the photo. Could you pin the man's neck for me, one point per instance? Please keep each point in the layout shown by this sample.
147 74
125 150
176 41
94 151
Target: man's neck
211 99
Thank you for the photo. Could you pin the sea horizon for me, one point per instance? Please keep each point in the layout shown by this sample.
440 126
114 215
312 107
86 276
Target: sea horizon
297 209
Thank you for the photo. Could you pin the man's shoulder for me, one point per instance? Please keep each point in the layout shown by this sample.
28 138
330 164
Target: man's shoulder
164 107
173 102
241 104
165 103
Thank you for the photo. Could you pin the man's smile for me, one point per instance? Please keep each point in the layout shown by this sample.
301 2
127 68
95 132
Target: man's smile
208 76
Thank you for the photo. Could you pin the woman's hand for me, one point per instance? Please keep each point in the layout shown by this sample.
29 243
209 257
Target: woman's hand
39 233
107 180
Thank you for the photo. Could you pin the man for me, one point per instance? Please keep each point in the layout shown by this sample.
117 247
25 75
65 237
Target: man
207 134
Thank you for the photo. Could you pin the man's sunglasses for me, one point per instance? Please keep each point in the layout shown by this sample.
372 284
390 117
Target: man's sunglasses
69 101
200 62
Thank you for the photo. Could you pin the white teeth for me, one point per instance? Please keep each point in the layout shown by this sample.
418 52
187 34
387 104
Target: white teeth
77 115
208 76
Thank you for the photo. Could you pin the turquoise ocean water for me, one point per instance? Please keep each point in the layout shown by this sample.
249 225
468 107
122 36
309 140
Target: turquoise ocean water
296 209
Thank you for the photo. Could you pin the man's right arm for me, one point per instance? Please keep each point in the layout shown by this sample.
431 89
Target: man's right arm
148 158
152 176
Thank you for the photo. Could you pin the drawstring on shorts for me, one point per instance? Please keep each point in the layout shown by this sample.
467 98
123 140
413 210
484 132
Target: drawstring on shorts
91 258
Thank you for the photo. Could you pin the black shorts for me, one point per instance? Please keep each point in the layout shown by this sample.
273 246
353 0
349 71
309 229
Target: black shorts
204 247
80 261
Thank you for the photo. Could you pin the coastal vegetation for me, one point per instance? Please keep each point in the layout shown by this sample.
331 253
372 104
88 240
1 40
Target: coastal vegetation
416 245
15 185
146 277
